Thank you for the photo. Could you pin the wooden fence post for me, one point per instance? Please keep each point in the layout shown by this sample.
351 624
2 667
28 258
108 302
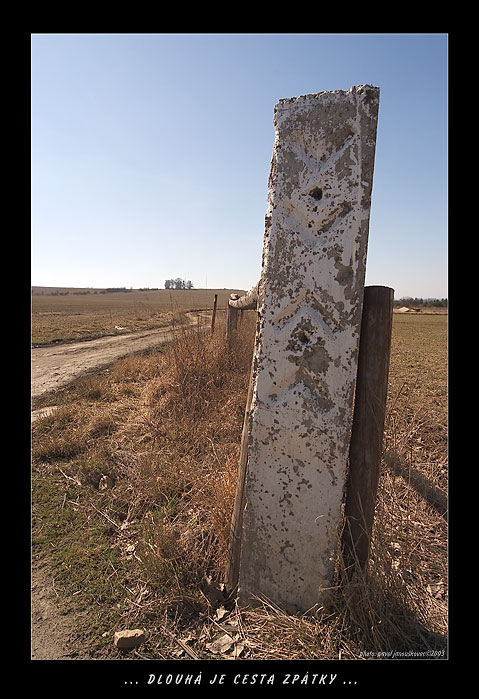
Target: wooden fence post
231 318
234 549
368 425
214 313
249 301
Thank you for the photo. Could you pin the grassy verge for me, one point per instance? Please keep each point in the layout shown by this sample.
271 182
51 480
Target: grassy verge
133 484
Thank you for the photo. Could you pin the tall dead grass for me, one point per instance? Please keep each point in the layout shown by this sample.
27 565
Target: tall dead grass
178 455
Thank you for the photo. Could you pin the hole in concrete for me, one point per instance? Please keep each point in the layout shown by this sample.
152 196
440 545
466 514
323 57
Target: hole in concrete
316 193
302 337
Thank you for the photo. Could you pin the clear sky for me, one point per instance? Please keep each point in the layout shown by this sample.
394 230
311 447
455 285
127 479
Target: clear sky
151 153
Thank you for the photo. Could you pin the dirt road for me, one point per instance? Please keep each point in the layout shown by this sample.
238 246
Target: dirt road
54 367
51 629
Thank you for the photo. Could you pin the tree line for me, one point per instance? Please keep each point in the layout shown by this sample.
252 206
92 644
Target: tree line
426 303
178 283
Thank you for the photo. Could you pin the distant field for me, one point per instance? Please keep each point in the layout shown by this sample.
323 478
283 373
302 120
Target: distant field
419 356
61 314
418 394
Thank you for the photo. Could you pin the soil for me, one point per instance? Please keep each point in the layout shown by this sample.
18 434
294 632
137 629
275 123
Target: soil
52 629
53 368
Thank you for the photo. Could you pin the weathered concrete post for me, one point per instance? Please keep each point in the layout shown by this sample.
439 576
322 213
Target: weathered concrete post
305 359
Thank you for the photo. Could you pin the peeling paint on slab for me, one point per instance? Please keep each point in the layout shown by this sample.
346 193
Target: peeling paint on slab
305 363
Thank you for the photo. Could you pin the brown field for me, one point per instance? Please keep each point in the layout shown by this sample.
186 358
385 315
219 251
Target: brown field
66 314
133 483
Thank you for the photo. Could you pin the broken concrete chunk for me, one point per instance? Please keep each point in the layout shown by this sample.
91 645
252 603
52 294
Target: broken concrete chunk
129 638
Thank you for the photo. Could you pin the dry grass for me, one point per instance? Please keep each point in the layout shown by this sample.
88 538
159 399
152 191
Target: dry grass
154 448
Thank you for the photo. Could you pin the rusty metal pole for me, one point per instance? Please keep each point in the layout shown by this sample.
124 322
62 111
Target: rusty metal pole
368 425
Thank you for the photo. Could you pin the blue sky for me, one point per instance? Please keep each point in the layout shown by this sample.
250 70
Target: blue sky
151 153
